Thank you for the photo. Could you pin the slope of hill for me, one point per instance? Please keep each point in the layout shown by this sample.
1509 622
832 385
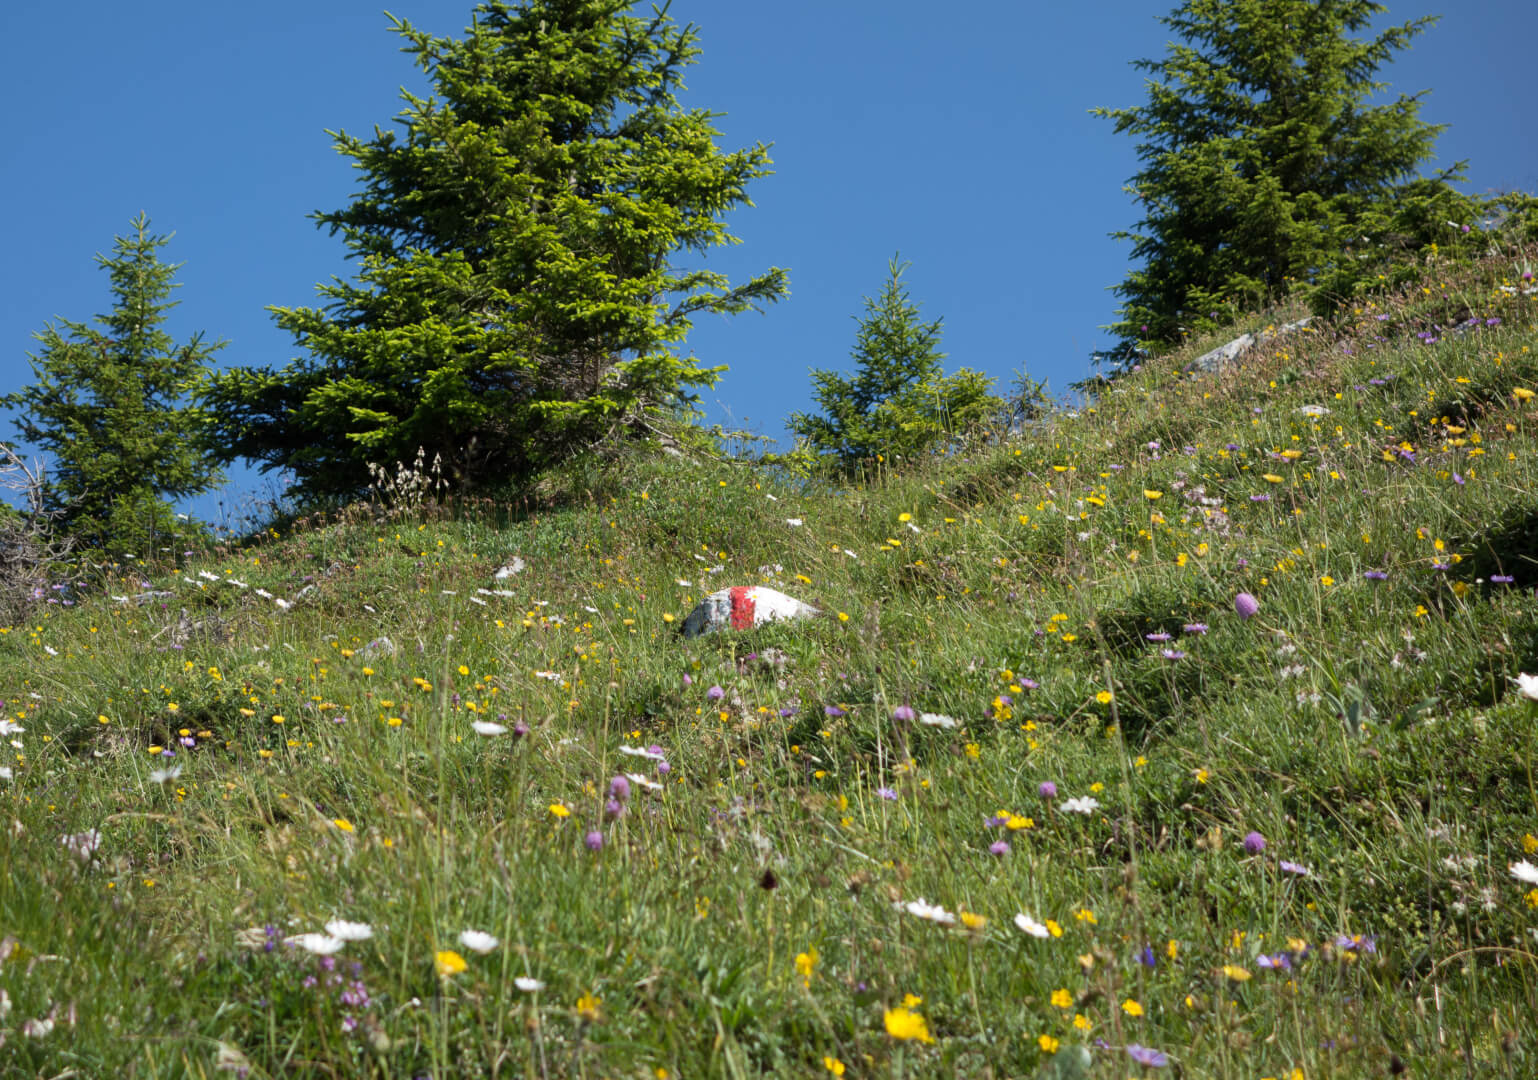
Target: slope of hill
1182 733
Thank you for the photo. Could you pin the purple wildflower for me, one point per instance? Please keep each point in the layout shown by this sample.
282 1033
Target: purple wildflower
1277 962
593 840
1147 958
832 710
1363 943
999 847
1246 605
619 789
1294 868
1501 579
1172 654
1254 843
1195 628
1159 635
904 713
887 793
1047 789
715 693
1375 575
1147 1055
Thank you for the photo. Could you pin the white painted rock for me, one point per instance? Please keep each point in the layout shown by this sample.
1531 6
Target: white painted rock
743 608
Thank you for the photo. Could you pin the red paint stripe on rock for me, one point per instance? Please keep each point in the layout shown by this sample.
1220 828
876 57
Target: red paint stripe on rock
742 608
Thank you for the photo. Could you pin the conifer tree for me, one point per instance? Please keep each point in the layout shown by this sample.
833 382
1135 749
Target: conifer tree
111 409
528 247
898 401
1263 158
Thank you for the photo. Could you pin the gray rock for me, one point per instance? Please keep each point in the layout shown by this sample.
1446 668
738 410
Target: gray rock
1219 358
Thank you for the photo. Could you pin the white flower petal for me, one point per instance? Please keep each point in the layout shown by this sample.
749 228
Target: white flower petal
1031 926
1525 871
488 728
528 985
478 941
1528 684
319 944
930 719
349 931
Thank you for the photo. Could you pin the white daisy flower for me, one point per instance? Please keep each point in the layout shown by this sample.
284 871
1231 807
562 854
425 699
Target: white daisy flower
478 941
528 985
1086 804
932 912
319 944
1525 871
488 728
1031 926
930 719
165 776
349 931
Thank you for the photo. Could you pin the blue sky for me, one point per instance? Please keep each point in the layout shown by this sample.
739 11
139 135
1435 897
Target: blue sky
958 134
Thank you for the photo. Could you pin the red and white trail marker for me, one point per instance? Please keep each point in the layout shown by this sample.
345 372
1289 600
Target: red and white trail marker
742 608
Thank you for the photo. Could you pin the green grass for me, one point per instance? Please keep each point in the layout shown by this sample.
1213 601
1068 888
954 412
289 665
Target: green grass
749 916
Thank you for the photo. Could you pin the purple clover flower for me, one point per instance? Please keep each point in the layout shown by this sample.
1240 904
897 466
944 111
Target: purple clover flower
1047 789
904 713
1246 605
1254 843
999 847
715 693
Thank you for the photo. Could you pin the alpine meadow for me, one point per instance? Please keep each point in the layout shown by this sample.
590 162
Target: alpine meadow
1184 724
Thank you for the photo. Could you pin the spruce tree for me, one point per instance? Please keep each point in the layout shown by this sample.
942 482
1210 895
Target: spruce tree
529 248
1263 158
898 402
111 409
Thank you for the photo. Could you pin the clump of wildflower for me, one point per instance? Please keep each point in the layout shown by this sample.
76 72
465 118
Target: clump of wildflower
904 1023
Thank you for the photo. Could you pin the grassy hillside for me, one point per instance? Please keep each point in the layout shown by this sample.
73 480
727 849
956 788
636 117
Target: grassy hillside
1165 836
